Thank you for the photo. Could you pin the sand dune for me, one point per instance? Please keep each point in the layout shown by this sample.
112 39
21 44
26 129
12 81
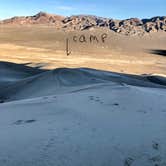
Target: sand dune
25 83
10 72
81 117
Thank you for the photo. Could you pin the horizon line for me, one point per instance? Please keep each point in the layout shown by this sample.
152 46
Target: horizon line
9 17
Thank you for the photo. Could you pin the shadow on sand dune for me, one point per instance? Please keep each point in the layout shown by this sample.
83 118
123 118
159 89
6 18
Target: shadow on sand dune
24 67
19 81
11 72
158 52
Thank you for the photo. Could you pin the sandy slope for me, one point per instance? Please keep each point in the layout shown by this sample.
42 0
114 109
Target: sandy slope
119 53
107 125
83 117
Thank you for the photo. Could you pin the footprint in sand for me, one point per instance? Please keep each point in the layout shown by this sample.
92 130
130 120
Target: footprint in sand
128 161
116 104
155 145
20 122
96 99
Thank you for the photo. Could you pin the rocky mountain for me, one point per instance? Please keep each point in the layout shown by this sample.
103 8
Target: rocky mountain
40 18
132 26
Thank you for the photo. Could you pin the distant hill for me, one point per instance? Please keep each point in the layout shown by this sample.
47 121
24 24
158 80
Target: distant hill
40 18
132 26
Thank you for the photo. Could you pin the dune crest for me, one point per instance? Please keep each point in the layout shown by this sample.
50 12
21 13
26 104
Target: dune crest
64 80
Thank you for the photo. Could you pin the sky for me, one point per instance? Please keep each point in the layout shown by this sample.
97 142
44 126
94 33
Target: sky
117 9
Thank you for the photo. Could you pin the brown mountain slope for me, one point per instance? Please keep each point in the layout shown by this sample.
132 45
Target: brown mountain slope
40 18
132 26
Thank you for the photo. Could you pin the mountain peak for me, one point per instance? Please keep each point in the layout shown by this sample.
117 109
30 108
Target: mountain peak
43 14
39 18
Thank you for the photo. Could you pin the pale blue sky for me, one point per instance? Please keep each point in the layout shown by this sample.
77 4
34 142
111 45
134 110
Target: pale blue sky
119 9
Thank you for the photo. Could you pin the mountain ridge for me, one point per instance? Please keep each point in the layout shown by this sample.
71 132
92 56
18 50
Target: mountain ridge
130 26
